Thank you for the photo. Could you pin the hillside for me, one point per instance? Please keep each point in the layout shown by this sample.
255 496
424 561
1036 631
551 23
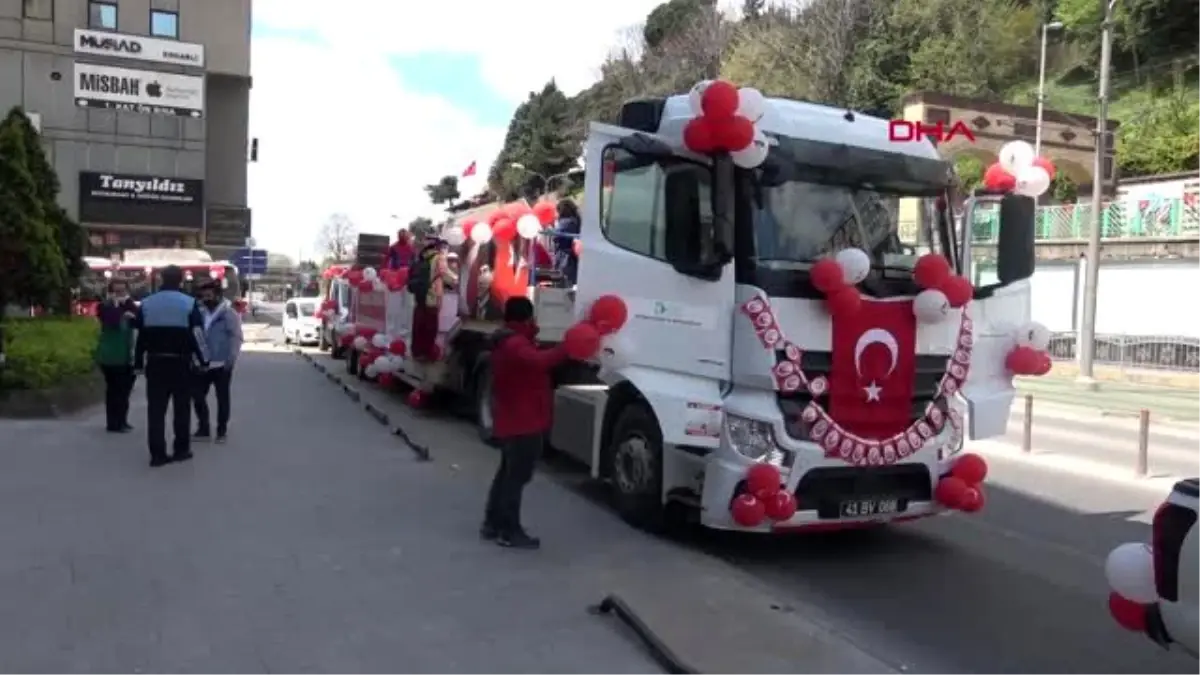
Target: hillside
866 54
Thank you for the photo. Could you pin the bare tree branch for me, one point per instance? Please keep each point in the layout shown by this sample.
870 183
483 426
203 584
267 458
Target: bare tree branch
337 237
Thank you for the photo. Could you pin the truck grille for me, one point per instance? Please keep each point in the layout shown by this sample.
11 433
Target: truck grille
929 372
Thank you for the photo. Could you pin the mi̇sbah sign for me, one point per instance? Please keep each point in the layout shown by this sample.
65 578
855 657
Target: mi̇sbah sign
142 91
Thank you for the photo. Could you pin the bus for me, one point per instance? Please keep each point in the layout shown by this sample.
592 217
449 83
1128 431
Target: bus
139 269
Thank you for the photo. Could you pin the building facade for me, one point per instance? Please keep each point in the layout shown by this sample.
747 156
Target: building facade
144 107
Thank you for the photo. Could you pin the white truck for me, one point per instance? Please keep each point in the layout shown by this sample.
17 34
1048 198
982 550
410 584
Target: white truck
689 395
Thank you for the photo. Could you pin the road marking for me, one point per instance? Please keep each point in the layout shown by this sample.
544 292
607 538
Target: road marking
1077 466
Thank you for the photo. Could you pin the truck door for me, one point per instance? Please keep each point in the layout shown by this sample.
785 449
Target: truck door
647 236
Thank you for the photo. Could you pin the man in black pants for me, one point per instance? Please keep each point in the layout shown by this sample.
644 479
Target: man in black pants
170 348
223 339
522 391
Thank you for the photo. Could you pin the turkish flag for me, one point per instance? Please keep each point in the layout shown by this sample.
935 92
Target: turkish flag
873 369
469 171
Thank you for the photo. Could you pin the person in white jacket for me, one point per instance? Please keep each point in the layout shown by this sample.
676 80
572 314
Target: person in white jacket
223 335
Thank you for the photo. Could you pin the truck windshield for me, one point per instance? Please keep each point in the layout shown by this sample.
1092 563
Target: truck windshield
811 199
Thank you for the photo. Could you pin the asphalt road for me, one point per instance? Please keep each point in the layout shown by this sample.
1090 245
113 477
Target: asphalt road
1018 588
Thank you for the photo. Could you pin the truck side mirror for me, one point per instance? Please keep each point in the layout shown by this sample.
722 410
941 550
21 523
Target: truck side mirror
1015 253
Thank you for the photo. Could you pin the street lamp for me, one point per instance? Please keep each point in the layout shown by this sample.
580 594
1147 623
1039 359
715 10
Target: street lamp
1086 348
1047 28
546 181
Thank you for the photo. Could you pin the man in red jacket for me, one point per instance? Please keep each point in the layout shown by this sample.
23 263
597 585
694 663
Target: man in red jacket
522 402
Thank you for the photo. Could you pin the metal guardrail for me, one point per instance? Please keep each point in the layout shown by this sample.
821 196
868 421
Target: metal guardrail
1142 352
1141 466
1120 220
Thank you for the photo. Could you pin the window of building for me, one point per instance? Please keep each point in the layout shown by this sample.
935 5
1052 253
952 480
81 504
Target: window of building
164 23
102 15
38 9
633 208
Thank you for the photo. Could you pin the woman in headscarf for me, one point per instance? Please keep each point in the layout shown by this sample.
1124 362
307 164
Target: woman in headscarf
567 228
428 279
114 354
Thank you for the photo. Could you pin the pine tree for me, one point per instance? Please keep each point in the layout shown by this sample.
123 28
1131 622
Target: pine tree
31 267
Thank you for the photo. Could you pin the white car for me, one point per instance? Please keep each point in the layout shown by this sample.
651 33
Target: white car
300 325
1164 578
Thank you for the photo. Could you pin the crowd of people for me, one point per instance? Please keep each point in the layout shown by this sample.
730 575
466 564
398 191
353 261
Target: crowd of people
184 345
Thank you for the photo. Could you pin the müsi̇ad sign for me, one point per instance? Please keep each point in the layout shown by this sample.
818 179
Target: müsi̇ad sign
904 131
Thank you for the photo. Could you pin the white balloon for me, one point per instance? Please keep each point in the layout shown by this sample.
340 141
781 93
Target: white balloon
370 274
855 263
528 226
931 306
360 343
454 236
481 233
1034 334
380 341
1015 156
696 97
378 285
1130 572
615 352
751 104
754 154
348 328
372 369
1032 181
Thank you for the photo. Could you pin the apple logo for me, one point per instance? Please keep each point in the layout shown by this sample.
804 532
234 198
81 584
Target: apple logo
154 90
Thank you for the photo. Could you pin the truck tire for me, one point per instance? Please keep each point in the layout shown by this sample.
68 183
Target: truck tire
482 389
635 468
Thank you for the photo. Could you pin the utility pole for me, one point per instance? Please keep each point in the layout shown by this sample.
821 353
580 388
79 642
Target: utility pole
1086 347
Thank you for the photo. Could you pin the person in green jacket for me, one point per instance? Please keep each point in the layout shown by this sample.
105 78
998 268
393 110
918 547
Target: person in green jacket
114 354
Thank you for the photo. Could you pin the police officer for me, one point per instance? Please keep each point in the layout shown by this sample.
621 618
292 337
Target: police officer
170 348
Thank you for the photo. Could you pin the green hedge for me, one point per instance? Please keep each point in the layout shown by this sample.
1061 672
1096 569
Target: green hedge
47 351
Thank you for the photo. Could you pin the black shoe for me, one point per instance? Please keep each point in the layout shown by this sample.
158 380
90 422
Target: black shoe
181 456
126 428
488 532
114 430
202 435
221 437
156 462
519 540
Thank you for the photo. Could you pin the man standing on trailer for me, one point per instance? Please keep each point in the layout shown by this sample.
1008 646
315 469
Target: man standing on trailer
170 349
522 404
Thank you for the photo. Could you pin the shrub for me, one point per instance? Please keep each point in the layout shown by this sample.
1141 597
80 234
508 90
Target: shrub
47 351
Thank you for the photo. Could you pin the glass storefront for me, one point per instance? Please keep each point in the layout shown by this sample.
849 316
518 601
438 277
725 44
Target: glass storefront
104 243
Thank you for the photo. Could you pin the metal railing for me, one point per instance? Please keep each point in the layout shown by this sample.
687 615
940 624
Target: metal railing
1135 352
1120 220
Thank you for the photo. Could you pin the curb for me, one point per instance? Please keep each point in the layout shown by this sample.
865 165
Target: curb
371 409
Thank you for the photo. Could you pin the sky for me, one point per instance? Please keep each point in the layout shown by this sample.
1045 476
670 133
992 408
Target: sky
357 109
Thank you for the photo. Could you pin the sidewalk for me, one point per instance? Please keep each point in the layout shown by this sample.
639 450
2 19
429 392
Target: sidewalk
1119 398
315 542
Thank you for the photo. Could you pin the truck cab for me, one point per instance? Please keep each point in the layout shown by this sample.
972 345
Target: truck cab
688 396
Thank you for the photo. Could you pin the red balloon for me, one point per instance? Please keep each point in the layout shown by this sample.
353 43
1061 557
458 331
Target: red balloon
733 134
950 492
748 511
931 271
1127 613
781 506
515 210
504 230
970 468
699 136
1045 164
385 379
1045 364
581 341
365 286
827 276
997 179
972 500
416 398
763 477
354 277
495 217
720 100
1023 360
577 247
958 291
467 226
844 302
546 212
608 314
398 347
367 332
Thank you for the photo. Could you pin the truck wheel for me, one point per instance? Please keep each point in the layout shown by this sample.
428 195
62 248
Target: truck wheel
352 361
483 406
635 468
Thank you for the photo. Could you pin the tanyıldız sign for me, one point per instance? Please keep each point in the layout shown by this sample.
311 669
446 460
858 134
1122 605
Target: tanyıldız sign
141 91
130 199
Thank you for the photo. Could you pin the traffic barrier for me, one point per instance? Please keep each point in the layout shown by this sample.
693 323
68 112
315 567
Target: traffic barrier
659 651
378 414
1141 467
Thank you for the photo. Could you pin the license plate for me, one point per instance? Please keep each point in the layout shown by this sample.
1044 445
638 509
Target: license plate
858 508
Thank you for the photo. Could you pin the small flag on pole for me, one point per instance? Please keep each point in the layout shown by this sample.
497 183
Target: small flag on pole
469 171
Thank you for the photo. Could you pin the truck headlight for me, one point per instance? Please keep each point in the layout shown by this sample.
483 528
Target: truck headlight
753 439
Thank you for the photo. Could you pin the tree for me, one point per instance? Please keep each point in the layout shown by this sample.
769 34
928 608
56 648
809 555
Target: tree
31 267
420 227
308 267
671 19
444 191
338 237
540 140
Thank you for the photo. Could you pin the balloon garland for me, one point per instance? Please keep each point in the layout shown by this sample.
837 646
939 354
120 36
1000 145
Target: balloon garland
838 277
763 498
1030 356
726 120
1019 171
